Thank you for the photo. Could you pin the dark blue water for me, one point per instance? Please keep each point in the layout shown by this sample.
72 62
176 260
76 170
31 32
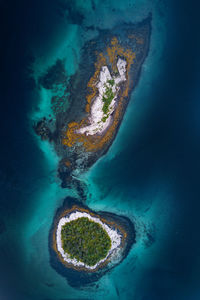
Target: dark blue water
151 173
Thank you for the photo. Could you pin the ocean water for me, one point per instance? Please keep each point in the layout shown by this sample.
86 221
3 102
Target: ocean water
150 173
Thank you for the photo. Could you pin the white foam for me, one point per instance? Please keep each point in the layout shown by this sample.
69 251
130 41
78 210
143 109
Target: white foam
113 234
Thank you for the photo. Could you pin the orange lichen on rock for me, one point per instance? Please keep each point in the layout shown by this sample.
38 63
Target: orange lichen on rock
68 163
101 61
96 142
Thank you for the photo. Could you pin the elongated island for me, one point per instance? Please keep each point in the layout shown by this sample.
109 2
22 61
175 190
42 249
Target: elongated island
87 114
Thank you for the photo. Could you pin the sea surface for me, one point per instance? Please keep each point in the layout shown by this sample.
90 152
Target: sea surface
150 173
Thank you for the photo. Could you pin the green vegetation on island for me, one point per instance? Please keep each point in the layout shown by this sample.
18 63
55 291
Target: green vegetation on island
85 240
111 82
104 118
107 98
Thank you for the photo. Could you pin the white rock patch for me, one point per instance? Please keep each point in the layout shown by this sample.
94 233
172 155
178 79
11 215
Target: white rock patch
113 234
95 118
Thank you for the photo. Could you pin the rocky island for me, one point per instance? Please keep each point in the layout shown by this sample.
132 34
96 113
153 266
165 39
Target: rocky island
85 244
96 95
84 240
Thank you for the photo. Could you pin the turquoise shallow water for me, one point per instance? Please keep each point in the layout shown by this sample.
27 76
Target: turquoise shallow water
150 174
122 182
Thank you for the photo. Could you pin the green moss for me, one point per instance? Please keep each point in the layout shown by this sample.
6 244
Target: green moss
85 240
107 99
111 82
104 118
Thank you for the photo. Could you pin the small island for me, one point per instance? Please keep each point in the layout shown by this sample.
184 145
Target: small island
83 242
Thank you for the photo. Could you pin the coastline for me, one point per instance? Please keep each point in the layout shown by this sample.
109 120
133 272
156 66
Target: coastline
79 152
73 273
96 118
97 142
113 234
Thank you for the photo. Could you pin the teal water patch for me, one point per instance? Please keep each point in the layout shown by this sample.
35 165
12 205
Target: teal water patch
106 15
43 278
142 101
150 212
44 106
65 45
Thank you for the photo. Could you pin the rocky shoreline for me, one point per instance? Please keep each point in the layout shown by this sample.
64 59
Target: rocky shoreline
79 150
120 229
114 235
106 82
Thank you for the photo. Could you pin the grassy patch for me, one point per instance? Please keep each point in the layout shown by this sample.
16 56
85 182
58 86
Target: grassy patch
104 118
85 240
111 82
108 97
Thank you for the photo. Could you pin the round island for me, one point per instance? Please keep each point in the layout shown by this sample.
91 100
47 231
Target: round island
85 244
